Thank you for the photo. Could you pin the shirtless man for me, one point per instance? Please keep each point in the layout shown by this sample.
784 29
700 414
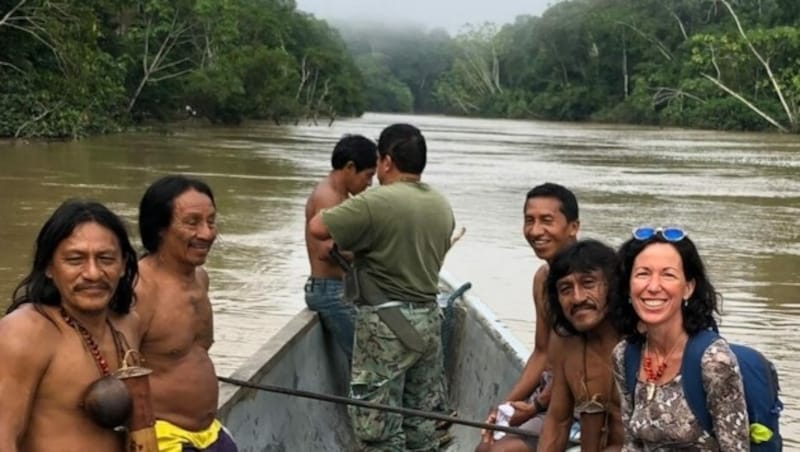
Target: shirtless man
580 287
177 223
354 161
550 224
69 325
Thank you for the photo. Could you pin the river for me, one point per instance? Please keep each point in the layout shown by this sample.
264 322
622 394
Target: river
738 196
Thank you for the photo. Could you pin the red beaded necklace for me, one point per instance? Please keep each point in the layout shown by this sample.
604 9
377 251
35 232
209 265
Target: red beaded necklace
90 343
655 375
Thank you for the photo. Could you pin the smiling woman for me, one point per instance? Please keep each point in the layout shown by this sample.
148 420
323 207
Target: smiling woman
658 288
666 300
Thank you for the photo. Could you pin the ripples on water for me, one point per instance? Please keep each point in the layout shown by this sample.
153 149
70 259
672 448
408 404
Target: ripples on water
738 195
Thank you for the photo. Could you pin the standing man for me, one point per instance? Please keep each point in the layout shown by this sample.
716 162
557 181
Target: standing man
177 223
69 325
399 233
353 161
550 224
580 289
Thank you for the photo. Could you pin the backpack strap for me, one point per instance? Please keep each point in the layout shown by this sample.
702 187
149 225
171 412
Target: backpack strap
632 361
692 376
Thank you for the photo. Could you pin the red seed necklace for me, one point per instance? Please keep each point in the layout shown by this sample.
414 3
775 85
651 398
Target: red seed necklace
654 375
90 343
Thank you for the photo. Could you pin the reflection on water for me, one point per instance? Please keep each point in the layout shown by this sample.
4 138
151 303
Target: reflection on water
738 195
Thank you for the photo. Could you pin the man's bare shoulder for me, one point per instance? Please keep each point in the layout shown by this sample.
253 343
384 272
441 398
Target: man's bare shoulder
18 329
130 324
202 278
146 270
146 288
541 274
563 346
322 197
539 282
147 279
28 318
131 318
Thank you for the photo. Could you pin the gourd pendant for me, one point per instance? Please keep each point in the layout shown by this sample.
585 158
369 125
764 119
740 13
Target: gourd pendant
651 391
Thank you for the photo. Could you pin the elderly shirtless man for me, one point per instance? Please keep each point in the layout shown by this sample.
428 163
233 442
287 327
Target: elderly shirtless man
581 290
69 325
177 224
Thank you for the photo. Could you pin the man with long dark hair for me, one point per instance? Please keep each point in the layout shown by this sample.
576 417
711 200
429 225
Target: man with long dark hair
69 325
177 223
581 288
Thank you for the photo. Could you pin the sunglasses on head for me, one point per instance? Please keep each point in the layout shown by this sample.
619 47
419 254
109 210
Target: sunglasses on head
670 234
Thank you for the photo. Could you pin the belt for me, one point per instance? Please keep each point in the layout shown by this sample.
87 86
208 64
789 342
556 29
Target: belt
313 282
360 289
363 291
400 304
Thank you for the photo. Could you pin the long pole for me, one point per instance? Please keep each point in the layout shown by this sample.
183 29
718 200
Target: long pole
376 406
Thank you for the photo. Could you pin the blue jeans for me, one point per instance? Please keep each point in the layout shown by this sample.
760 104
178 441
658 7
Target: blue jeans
338 317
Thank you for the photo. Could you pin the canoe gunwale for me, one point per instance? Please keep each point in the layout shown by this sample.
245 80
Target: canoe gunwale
251 416
487 319
265 359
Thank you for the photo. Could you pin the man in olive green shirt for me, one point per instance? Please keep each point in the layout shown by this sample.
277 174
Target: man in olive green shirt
399 233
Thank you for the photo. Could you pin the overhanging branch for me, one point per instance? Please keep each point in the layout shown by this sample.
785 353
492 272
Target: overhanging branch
764 63
749 104
11 12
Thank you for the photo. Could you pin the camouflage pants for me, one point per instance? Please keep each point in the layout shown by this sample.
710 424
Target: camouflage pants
385 371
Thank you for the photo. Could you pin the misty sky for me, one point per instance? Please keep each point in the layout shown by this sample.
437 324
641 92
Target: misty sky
450 14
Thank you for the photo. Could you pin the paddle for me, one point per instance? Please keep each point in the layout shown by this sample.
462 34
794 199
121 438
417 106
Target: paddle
376 406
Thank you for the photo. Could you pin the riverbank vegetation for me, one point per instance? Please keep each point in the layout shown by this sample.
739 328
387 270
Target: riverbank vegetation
720 64
70 68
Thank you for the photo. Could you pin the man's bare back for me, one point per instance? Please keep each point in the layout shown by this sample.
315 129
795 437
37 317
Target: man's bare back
325 195
44 390
177 333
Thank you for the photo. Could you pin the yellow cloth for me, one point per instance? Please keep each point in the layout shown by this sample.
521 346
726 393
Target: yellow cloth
760 433
171 438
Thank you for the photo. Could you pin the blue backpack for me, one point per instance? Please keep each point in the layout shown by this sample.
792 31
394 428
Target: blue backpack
759 377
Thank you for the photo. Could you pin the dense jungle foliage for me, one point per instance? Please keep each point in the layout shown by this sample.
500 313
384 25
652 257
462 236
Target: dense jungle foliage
71 68
76 67
722 64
